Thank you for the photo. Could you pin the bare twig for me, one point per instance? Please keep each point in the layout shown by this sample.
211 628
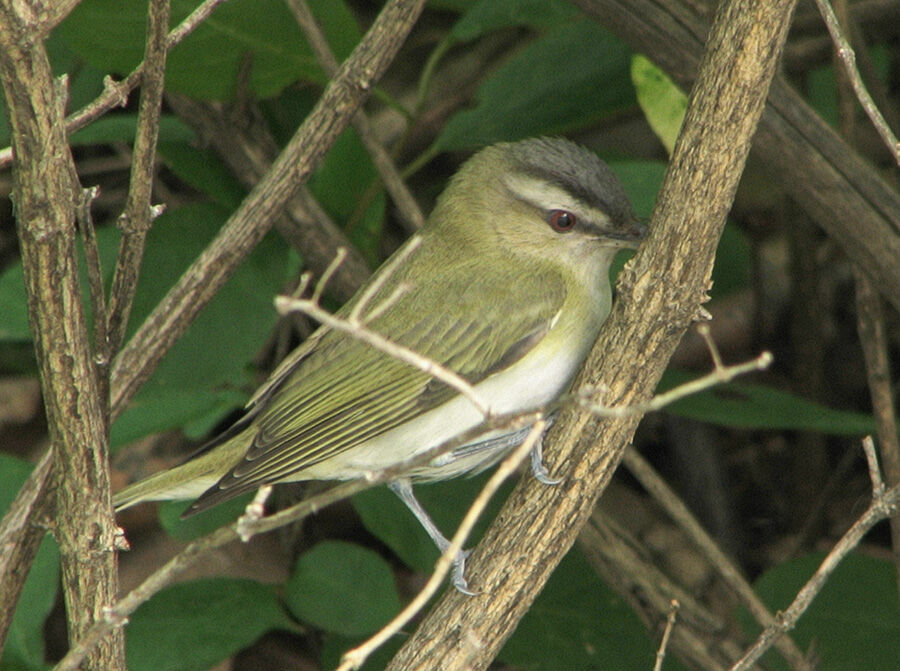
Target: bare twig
382 344
355 658
670 624
410 213
117 615
650 480
539 524
135 221
47 193
881 508
20 538
115 94
719 375
256 214
874 471
249 525
848 59
365 297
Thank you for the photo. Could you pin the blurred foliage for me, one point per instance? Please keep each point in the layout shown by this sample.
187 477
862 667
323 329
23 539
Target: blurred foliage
566 75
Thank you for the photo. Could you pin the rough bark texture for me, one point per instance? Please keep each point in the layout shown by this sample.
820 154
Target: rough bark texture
46 192
841 192
661 293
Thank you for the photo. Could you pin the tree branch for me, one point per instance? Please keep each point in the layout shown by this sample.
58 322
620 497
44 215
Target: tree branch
252 220
843 193
47 193
538 524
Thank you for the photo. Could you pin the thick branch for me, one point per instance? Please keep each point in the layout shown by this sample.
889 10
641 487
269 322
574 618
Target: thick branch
538 524
46 192
252 220
843 193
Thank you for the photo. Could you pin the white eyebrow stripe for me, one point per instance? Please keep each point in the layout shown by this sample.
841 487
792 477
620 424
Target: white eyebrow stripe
546 196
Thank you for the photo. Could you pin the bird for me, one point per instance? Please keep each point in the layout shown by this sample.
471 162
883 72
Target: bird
506 285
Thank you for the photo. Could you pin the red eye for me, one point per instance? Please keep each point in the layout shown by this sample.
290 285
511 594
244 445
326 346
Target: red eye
562 221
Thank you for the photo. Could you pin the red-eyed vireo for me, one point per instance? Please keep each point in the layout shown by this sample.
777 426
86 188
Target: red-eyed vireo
508 287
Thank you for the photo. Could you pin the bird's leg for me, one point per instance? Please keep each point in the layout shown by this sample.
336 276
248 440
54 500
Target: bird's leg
403 489
537 464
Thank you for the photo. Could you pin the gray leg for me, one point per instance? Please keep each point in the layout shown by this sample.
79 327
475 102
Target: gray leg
403 489
537 465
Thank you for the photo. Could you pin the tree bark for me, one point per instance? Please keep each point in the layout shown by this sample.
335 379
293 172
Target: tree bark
46 192
660 295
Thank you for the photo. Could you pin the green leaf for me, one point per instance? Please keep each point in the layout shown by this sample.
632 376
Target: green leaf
663 103
487 15
122 128
577 623
13 306
642 180
206 372
342 588
570 78
203 170
346 174
202 523
195 625
25 640
854 622
109 34
751 406
385 516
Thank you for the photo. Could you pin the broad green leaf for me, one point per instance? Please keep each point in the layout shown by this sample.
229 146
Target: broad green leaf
342 588
25 641
109 34
204 171
752 406
207 370
13 306
487 15
663 103
345 176
570 78
578 623
195 625
854 622
122 128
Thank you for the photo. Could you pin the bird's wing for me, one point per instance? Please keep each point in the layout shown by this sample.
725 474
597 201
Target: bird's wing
344 392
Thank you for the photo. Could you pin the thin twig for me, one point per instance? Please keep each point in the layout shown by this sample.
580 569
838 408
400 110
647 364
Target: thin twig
874 471
716 376
882 507
848 59
670 625
387 271
355 658
117 615
410 213
249 223
115 94
675 508
138 215
286 304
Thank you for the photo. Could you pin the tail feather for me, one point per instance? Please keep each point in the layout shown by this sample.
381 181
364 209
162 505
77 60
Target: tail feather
184 482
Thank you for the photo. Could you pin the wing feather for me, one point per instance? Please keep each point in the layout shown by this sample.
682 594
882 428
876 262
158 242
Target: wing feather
342 392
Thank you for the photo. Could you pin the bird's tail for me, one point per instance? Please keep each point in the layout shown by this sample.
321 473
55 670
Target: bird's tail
184 482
